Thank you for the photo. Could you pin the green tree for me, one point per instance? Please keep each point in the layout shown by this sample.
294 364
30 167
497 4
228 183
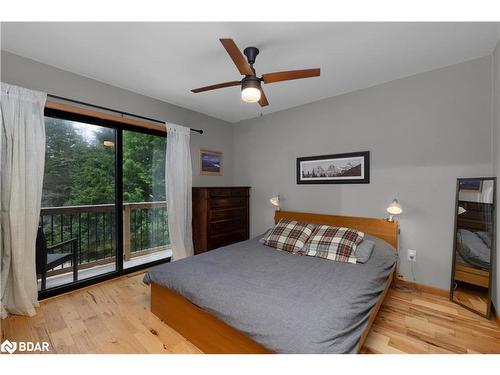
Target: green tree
63 144
143 167
93 181
80 169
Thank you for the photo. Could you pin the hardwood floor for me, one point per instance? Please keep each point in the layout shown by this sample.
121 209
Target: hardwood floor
472 296
419 322
111 317
114 317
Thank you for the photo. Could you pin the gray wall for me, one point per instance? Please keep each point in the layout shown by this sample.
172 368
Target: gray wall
496 160
218 134
423 132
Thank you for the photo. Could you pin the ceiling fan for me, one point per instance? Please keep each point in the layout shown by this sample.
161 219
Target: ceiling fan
251 89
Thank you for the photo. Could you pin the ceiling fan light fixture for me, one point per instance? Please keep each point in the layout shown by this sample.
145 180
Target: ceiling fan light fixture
250 91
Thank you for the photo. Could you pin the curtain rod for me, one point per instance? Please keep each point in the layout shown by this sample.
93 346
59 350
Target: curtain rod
116 111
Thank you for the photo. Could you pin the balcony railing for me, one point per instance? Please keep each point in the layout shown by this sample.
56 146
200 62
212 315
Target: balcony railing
145 231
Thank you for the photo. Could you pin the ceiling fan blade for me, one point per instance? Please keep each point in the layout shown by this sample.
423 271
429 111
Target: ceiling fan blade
239 60
263 100
289 75
217 86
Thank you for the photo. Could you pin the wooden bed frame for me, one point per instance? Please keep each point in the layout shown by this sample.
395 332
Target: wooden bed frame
211 335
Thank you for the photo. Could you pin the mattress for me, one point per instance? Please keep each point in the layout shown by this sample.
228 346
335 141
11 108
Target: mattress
286 302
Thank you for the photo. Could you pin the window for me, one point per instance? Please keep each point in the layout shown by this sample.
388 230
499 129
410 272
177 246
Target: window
95 169
144 205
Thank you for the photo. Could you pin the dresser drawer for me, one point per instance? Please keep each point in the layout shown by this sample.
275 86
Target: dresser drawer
227 202
225 239
227 226
240 192
226 213
219 192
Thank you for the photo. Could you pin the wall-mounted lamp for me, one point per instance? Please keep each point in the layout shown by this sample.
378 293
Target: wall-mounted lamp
275 201
108 144
461 210
394 209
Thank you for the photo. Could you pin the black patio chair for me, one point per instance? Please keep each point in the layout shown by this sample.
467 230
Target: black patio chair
47 259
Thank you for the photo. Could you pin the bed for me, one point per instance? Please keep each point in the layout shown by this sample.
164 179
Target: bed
249 298
472 259
474 248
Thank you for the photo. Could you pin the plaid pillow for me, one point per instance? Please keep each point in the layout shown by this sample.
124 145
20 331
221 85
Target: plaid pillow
289 235
334 243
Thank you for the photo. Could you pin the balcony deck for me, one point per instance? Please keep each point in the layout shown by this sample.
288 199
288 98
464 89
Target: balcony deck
93 230
67 278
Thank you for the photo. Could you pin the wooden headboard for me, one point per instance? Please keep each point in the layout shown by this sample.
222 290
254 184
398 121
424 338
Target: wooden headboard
381 228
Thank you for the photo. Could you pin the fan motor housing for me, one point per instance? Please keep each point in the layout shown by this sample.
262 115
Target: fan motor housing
250 81
251 54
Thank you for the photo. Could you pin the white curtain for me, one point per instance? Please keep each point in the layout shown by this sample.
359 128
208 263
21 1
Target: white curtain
22 157
178 176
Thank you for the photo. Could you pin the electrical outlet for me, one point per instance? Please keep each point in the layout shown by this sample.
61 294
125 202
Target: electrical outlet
412 255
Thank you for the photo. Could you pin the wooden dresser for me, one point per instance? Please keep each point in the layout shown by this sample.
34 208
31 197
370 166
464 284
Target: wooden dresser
220 216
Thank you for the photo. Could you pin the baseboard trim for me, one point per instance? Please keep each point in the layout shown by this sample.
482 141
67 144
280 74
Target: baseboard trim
423 288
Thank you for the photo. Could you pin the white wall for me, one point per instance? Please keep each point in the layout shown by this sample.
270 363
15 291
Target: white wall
218 134
423 132
496 162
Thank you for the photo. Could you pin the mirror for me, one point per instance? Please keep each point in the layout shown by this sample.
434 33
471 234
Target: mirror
474 244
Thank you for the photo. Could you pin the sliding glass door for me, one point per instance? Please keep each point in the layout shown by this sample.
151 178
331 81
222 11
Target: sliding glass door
77 234
103 202
145 229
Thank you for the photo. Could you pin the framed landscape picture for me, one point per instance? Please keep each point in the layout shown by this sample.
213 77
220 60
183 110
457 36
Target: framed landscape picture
349 168
471 184
210 162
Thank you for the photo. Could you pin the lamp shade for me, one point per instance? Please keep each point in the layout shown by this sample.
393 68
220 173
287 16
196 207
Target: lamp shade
250 90
250 95
394 208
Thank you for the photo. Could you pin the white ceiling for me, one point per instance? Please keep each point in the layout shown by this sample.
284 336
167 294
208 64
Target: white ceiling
166 60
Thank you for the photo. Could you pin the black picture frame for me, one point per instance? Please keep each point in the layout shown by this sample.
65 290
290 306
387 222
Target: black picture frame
364 177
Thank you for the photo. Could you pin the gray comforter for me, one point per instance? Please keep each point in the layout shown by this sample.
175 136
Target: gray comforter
286 302
474 248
